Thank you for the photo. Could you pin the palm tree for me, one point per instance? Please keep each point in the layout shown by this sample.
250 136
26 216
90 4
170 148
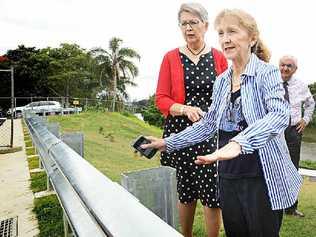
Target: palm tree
116 68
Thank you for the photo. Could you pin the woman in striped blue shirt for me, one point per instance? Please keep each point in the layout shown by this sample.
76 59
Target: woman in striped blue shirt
257 179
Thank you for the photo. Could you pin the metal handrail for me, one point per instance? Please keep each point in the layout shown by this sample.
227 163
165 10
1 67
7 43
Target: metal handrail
94 205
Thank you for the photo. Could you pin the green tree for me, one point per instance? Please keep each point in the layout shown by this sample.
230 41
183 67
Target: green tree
116 68
312 87
152 115
30 71
71 71
30 74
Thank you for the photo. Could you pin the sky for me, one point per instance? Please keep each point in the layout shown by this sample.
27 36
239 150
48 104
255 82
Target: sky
151 28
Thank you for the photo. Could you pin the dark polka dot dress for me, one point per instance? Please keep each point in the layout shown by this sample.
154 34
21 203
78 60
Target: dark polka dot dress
194 181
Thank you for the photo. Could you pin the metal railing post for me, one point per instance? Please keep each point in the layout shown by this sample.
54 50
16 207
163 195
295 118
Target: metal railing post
40 164
49 186
67 229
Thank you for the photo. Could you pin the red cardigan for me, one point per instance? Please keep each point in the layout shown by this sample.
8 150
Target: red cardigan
170 88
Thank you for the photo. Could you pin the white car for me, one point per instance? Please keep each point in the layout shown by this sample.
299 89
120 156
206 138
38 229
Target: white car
37 107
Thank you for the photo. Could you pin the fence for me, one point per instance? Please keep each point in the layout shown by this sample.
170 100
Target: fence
5 132
93 205
85 103
6 128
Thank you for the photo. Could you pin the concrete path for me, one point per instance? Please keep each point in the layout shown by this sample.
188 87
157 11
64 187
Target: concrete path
308 151
16 198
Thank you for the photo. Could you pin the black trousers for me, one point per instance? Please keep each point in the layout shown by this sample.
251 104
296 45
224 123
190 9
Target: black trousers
246 208
293 141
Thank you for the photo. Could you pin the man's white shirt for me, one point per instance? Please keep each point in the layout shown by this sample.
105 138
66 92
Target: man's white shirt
300 95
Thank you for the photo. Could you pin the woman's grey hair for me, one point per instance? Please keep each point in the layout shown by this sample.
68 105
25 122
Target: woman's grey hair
194 8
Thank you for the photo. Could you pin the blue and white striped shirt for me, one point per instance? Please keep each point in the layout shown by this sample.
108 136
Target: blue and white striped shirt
267 115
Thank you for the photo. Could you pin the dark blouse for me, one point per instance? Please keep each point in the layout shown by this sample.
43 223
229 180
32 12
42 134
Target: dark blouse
245 165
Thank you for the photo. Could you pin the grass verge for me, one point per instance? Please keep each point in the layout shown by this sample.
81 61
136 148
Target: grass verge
38 181
28 143
30 151
50 216
107 140
308 164
33 162
302 227
309 134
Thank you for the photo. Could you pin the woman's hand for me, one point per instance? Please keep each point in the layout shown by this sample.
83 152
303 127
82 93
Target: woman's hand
157 143
300 126
193 113
227 152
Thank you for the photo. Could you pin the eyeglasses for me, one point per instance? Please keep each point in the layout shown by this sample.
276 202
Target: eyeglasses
191 23
287 65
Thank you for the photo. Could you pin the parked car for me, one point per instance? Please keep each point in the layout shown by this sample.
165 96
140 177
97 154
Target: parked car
37 107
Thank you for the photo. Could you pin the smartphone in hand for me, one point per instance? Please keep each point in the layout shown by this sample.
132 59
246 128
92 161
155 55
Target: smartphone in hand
148 152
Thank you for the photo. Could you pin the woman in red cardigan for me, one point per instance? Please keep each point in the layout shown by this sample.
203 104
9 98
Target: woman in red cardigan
183 95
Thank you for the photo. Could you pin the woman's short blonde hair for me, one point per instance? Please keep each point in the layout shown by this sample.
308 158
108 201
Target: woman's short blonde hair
249 23
194 8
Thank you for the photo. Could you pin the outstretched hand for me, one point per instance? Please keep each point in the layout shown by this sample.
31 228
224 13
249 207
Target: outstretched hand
157 143
227 152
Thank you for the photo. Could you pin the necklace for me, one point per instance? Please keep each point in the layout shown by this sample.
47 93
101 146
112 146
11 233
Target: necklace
195 54
235 83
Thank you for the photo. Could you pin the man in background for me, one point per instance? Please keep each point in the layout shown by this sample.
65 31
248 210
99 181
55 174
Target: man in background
299 96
